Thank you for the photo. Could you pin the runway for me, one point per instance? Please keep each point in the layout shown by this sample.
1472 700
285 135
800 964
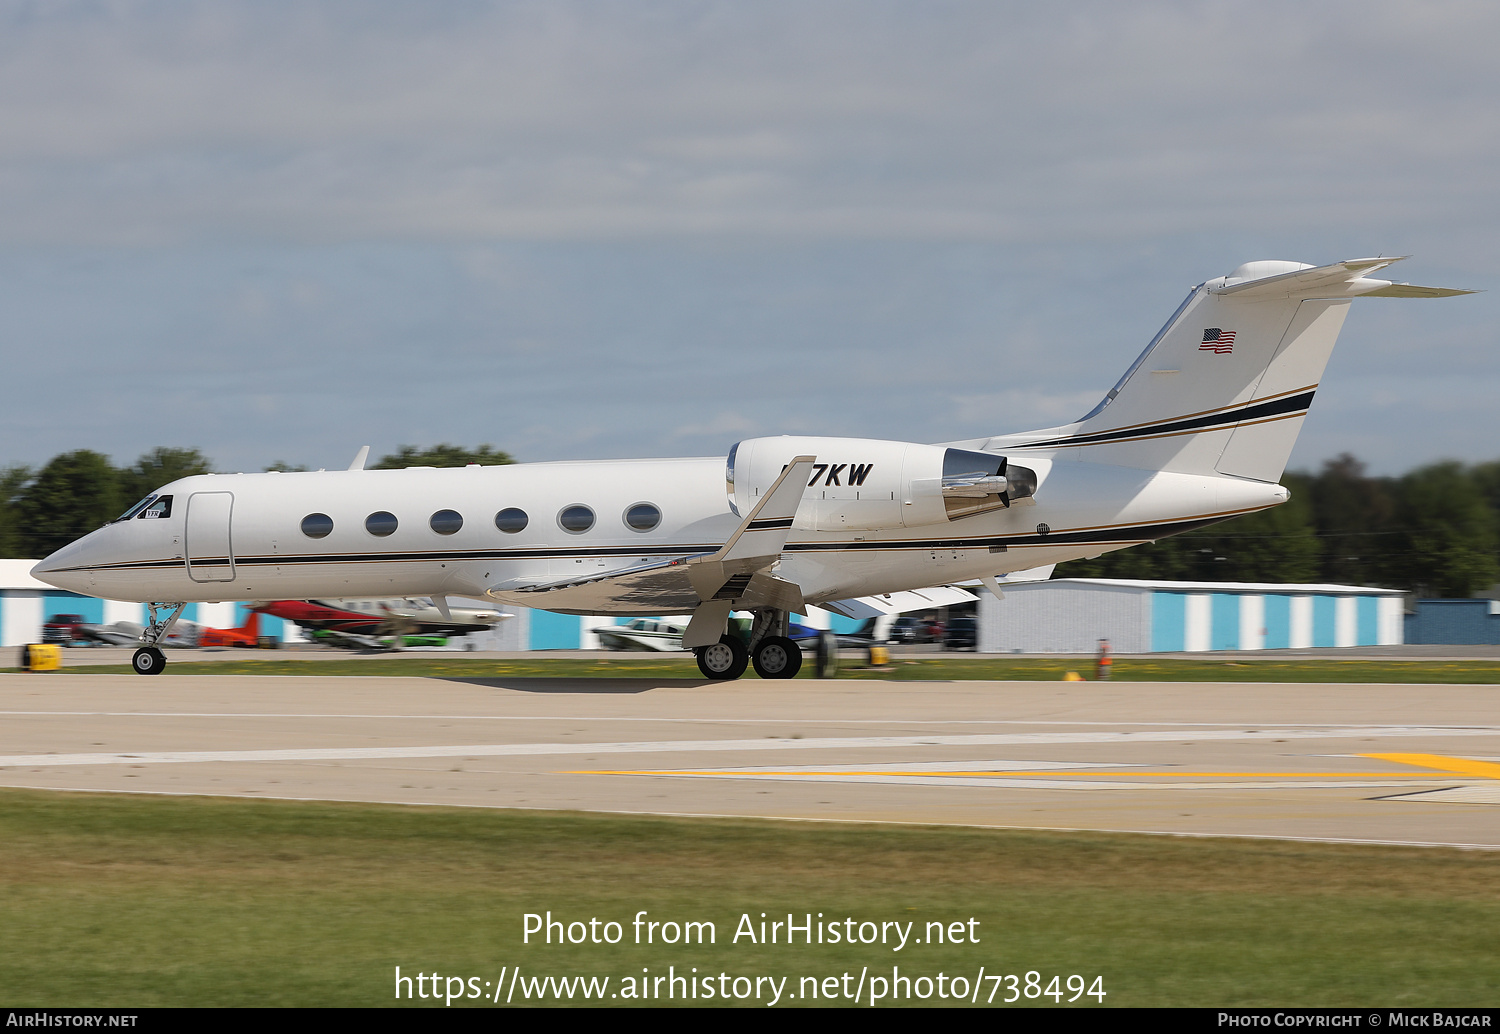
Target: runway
1389 764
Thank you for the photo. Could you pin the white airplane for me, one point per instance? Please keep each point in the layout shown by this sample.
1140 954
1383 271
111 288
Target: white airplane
1198 430
647 634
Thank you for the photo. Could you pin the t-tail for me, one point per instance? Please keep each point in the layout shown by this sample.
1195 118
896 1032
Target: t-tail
1224 386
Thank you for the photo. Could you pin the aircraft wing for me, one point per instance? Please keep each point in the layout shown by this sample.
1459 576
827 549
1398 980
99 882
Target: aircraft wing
866 607
738 574
888 603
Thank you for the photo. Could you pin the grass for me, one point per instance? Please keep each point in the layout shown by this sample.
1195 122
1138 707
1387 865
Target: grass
933 668
151 901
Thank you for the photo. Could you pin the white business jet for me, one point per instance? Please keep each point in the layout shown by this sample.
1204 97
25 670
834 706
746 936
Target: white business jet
1198 430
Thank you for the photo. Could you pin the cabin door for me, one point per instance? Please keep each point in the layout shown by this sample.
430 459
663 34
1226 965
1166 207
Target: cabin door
210 555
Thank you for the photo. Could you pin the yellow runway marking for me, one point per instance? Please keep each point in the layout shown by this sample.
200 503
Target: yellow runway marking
1011 774
1444 763
1440 762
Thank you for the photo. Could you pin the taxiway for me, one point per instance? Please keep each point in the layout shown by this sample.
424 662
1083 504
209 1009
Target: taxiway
1406 764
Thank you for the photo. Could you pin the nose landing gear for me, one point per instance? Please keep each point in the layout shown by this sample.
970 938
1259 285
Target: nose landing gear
149 660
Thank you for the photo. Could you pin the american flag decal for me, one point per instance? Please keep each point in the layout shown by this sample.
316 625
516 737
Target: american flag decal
1219 342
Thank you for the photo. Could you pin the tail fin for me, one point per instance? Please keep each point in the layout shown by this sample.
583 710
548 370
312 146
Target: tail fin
1224 386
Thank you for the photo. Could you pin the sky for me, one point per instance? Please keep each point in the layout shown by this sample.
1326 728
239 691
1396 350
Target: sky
279 231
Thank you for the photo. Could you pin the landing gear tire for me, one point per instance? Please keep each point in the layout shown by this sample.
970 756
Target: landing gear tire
827 660
148 660
726 659
777 657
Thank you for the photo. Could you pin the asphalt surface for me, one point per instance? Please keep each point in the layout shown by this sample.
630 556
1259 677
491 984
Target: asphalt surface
1393 764
92 655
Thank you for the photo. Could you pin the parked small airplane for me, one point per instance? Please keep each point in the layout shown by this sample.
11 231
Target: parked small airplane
247 635
1197 431
128 633
646 634
367 622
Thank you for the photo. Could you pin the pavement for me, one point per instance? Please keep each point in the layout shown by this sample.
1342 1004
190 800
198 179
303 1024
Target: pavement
1406 764
93 655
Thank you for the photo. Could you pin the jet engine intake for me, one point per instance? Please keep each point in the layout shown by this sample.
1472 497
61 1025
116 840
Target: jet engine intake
863 484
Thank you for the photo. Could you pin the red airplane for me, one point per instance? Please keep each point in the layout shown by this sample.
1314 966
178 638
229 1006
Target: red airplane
247 634
381 617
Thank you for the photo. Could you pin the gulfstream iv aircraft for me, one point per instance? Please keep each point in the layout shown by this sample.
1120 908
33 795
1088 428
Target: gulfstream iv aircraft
1198 430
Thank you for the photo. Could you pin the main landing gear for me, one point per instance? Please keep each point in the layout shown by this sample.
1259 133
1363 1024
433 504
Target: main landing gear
726 659
149 660
774 655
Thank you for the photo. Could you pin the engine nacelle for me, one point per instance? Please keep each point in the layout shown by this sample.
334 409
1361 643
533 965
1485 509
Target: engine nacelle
864 484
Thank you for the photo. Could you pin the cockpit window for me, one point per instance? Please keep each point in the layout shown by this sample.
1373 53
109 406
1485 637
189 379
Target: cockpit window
162 507
137 508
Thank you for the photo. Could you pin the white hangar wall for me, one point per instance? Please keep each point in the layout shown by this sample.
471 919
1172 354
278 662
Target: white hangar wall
26 604
1071 615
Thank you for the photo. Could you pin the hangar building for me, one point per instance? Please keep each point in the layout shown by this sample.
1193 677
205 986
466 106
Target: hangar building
26 604
1071 615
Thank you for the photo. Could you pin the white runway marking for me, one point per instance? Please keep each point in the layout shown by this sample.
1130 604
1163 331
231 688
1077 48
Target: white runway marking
720 720
1261 733
1008 783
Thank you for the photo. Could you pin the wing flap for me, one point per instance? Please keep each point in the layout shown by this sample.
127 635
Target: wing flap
866 607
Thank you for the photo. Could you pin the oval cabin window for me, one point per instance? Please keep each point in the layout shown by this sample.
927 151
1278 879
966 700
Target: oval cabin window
576 518
643 516
381 523
446 522
511 520
317 525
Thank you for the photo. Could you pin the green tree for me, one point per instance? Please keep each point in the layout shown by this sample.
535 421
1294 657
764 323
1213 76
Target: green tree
444 455
1449 532
1275 545
159 467
12 481
69 497
1356 518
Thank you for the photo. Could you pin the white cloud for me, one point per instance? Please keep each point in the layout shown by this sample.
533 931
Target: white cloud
325 121
539 223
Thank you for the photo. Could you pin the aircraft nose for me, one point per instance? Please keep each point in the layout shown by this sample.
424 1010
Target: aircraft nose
68 567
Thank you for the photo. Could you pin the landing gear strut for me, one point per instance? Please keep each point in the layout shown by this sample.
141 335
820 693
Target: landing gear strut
775 655
149 660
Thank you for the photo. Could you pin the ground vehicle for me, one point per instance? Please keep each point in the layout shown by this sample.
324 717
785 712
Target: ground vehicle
962 633
61 629
908 629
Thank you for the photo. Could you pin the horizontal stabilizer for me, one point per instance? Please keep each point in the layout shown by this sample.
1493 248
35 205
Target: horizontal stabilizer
1333 280
1413 291
1345 279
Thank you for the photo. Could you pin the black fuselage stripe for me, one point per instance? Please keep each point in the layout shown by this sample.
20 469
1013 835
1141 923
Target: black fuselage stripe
1088 536
1258 411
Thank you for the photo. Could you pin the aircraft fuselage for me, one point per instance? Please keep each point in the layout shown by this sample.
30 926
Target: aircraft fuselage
424 531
